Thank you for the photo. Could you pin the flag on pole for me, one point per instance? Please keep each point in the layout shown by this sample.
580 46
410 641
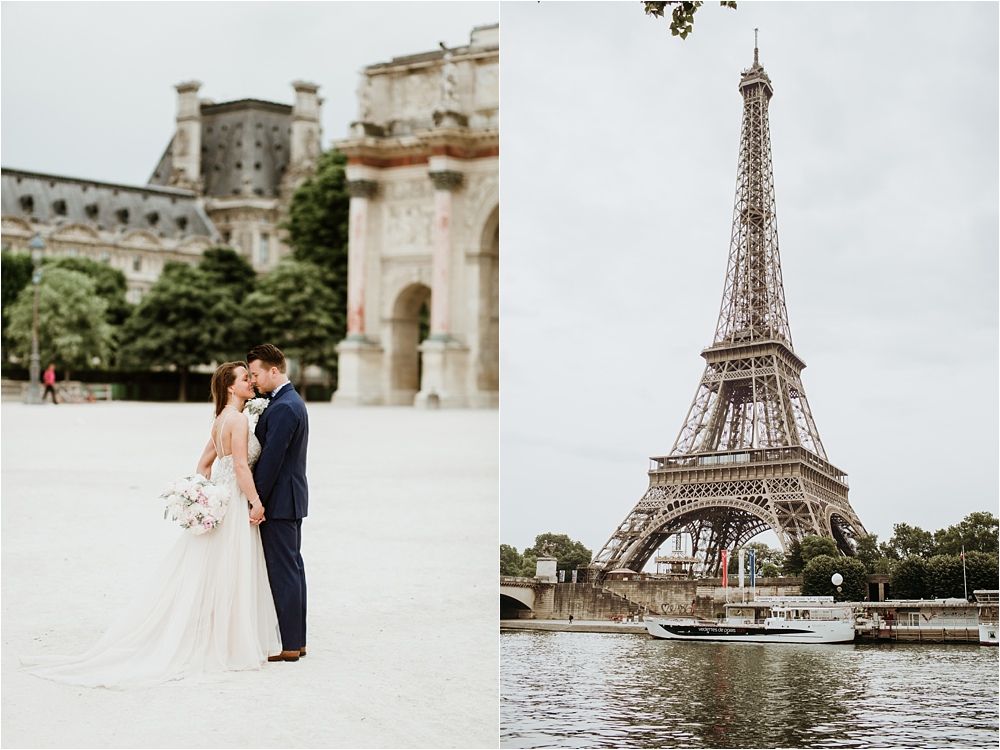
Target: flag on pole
751 561
725 568
742 555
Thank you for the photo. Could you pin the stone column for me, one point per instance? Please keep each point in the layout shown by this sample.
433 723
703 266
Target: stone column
445 360
360 361
361 192
445 182
186 151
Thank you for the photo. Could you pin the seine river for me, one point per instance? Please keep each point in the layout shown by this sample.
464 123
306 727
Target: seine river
591 690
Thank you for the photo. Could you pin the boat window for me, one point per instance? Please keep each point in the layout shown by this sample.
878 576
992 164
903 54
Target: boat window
805 614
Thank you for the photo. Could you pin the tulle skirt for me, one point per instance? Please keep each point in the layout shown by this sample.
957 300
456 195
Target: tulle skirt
207 611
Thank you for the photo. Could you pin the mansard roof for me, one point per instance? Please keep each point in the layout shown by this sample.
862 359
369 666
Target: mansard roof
52 199
245 148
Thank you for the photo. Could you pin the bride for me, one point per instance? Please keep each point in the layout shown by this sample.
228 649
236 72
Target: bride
208 610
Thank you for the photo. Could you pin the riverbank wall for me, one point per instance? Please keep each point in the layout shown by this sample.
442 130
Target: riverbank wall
658 597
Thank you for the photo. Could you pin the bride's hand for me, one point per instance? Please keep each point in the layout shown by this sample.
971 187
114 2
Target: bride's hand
256 512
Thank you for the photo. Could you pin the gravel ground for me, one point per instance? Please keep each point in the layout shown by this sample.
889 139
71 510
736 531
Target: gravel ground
400 553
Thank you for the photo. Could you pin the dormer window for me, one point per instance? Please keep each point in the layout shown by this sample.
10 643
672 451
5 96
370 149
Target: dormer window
92 210
152 217
59 208
122 215
182 222
27 204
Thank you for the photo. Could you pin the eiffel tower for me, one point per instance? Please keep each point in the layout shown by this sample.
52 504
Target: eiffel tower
748 458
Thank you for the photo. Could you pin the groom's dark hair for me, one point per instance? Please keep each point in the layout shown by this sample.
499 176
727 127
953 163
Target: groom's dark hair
269 354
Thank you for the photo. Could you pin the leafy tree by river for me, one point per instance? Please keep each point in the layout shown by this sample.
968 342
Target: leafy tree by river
569 555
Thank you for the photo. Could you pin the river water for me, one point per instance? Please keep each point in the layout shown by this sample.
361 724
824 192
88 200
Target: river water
593 690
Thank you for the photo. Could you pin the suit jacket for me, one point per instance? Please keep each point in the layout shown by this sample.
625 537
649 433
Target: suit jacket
280 474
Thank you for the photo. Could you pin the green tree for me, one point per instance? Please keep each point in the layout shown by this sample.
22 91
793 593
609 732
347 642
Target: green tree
977 532
569 554
681 15
801 551
73 331
294 310
511 561
234 279
176 324
908 579
867 552
981 570
944 577
818 572
910 540
317 227
15 274
109 283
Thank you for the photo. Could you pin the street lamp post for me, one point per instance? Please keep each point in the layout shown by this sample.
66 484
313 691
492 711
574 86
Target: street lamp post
37 247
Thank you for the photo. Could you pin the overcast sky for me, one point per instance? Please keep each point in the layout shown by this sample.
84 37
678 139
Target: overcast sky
619 153
618 160
88 87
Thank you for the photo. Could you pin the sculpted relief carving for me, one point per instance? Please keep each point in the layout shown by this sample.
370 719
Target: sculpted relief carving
408 227
418 96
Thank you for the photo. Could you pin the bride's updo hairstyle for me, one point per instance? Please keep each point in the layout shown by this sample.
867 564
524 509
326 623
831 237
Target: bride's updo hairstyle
224 377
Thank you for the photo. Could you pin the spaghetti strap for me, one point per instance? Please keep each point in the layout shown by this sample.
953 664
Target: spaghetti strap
218 447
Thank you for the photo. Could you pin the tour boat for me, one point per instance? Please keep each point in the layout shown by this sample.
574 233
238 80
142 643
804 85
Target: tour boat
989 617
767 619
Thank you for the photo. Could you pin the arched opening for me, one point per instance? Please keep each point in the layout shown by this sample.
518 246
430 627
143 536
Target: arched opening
409 326
512 609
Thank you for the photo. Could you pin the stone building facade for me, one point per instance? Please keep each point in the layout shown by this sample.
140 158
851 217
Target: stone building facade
244 159
225 178
133 229
423 172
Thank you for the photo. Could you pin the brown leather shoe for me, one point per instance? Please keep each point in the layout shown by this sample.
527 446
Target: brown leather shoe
285 656
302 651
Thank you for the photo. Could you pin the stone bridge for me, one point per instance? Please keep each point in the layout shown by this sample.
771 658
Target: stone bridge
519 597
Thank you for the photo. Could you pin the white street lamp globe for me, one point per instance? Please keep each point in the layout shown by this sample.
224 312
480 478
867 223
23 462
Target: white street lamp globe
836 579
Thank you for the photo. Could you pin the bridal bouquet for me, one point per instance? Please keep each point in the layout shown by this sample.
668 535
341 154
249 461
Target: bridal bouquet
195 502
255 407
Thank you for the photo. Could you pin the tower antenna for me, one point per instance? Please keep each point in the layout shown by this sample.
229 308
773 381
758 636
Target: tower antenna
755 62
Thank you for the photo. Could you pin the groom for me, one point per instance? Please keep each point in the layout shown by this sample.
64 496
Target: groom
280 477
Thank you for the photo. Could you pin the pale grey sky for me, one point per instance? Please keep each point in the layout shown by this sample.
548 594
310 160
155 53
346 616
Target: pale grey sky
88 87
618 161
619 149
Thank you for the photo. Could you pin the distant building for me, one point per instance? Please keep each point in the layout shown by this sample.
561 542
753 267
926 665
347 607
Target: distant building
243 159
133 229
423 172
226 178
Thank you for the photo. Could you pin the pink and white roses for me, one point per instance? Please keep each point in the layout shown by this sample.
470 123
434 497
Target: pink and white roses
195 502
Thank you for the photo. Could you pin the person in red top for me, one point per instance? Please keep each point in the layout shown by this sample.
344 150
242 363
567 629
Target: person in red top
49 378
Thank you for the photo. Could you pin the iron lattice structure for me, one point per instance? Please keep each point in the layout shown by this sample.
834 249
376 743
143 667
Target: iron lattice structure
748 458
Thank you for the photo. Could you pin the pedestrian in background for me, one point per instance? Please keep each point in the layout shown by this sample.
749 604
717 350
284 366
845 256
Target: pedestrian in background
49 378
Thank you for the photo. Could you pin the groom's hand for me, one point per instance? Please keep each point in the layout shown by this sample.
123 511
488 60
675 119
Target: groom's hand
256 513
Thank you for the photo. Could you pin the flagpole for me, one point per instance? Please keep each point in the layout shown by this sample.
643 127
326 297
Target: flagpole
965 586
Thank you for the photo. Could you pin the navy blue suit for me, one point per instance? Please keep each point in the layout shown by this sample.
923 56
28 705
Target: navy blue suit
280 478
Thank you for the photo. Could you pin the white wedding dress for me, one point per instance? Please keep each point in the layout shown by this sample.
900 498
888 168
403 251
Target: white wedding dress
208 609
